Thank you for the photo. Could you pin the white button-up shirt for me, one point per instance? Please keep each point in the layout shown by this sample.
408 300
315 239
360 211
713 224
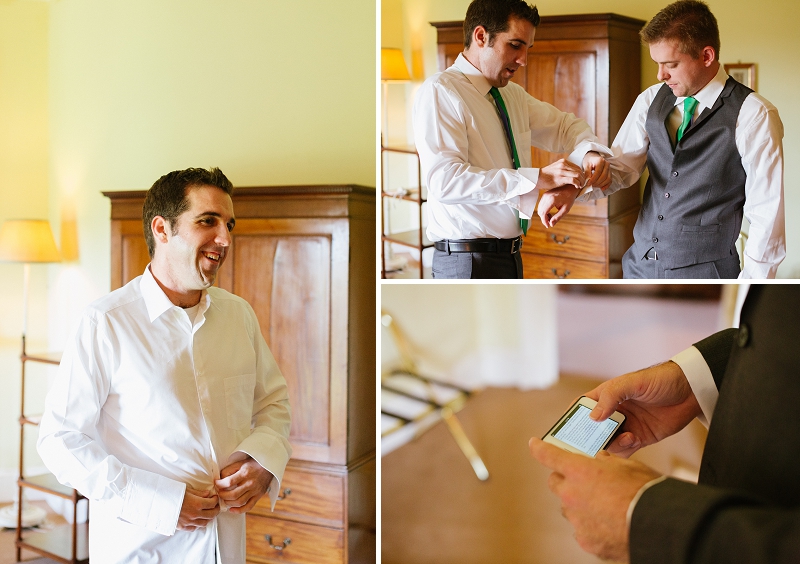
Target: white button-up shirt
473 188
759 140
146 403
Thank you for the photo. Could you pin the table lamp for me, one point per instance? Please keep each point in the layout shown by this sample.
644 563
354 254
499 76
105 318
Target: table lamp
393 69
26 241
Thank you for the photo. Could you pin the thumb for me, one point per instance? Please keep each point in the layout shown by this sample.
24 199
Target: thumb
610 397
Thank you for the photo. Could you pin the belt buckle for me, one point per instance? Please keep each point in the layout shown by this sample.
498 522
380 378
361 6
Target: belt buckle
516 245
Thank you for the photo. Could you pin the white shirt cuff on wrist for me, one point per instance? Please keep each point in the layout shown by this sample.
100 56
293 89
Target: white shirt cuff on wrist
700 379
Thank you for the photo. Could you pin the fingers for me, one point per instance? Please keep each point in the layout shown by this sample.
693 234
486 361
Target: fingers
609 399
554 482
247 506
598 172
560 173
624 445
550 456
231 469
545 205
562 211
199 493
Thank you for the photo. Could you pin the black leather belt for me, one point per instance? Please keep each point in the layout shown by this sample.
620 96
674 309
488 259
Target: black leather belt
479 245
651 255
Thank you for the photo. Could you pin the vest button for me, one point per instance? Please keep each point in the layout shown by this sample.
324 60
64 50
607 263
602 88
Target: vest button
655 239
660 218
674 173
744 335
666 195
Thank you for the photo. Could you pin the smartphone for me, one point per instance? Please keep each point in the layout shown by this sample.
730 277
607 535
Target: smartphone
577 432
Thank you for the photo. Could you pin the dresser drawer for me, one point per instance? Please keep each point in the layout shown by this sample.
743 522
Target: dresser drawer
544 266
311 496
568 239
300 543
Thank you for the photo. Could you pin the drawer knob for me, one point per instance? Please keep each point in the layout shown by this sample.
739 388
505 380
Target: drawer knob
286 493
554 237
557 275
286 542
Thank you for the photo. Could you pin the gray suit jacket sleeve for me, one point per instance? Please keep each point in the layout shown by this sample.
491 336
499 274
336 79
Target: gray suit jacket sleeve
746 508
715 350
680 523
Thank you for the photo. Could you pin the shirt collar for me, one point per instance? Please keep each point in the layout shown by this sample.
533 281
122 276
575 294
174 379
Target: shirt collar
157 301
473 74
709 93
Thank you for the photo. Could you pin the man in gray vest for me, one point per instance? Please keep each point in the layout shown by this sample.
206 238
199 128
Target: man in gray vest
714 151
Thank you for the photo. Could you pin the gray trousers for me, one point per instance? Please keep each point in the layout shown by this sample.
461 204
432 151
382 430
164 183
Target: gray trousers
476 265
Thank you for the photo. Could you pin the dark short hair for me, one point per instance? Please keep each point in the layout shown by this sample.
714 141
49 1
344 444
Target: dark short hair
494 16
168 198
689 22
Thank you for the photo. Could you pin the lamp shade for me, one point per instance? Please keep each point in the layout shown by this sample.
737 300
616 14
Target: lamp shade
27 240
393 66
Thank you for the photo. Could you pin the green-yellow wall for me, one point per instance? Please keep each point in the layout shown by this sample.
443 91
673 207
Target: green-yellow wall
761 32
23 187
99 95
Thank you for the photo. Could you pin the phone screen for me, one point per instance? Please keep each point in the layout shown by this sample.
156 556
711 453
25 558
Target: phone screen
583 433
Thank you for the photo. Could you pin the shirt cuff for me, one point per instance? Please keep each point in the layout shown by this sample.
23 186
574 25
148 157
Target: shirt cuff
700 380
153 502
635 500
576 156
527 204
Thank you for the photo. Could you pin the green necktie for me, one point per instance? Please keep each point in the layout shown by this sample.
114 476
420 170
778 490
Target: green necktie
501 106
689 104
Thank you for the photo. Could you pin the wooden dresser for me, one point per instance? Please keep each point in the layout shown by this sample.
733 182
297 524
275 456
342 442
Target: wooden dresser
304 258
588 65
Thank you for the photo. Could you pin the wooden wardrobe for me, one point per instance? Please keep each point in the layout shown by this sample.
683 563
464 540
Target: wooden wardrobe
588 65
304 258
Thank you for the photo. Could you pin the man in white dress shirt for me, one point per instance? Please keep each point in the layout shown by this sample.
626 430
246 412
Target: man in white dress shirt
714 152
169 412
481 187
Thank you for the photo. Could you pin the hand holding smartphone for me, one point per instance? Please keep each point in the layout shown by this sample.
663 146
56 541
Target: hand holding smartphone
576 432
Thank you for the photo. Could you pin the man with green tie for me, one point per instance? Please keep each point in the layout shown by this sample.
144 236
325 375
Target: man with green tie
714 151
474 129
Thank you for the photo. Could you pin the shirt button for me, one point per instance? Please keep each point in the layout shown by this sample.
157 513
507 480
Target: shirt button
674 173
660 218
744 336
655 239
666 195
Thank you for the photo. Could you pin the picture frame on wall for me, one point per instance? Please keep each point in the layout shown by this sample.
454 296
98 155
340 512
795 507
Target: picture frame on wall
745 73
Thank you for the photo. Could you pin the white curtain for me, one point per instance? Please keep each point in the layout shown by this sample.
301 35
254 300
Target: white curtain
474 335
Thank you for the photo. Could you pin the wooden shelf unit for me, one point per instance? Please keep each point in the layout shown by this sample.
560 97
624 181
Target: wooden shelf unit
68 544
415 238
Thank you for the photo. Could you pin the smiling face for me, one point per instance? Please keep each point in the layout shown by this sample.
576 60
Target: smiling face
508 51
189 254
684 74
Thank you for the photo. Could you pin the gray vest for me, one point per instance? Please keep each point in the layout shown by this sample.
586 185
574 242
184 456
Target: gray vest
692 208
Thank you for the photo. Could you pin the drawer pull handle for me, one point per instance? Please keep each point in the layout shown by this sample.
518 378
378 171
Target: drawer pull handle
286 542
557 275
554 237
286 493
